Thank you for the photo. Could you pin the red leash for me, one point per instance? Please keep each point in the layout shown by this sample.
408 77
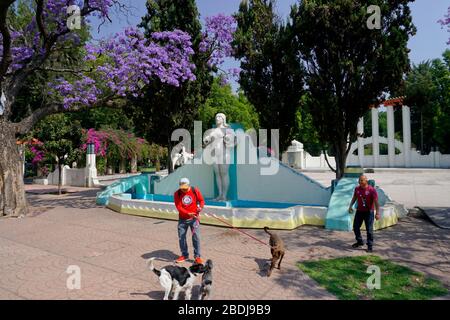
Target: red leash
228 224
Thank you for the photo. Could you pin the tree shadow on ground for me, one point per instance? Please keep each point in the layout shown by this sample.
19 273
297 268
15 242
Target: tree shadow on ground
293 278
413 242
79 200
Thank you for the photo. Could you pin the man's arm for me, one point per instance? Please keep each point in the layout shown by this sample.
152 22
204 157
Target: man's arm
377 209
200 199
350 208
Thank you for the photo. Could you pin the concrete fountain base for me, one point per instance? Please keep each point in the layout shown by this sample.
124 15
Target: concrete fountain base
241 217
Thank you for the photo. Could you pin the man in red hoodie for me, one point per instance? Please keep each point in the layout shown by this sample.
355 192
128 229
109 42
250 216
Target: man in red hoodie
189 202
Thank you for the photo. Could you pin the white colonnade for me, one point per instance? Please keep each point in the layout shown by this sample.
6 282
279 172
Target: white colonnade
406 121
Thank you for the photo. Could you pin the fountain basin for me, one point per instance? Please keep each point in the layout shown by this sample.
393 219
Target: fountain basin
240 213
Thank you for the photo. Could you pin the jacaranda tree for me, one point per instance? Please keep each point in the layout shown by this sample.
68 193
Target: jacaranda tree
177 107
112 69
161 103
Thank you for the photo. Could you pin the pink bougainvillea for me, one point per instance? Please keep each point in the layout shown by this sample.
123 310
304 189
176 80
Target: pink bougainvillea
35 147
38 155
127 144
98 138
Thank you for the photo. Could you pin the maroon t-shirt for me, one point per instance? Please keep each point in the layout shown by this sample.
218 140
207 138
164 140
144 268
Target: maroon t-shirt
366 197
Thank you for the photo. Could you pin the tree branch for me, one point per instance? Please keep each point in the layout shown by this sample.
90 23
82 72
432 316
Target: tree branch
20 75
64 70
6 39
28 123
328 162
40 20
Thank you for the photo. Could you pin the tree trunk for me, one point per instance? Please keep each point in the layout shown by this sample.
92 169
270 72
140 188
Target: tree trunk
60 166
123 166
341 159
12 192
134 167
158 165
108 167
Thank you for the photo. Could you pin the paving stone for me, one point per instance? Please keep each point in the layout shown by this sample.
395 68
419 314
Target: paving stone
111 251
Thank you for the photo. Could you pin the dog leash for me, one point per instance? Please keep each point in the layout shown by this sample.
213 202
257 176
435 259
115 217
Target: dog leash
197 221
230 225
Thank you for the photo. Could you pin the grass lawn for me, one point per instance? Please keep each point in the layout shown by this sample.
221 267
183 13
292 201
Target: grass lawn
346 278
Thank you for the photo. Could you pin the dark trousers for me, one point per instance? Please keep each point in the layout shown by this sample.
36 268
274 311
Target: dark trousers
368 218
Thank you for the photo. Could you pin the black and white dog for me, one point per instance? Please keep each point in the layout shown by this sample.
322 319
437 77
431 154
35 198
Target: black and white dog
206 288
175 279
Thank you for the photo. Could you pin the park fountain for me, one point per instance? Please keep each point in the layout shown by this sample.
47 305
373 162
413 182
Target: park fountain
259 191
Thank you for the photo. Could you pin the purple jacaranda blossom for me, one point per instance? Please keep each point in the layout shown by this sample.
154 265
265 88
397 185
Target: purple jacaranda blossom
121 65
128 62
28 42
217 38
216 43
446 22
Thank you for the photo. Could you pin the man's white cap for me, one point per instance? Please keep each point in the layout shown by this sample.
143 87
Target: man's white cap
184 181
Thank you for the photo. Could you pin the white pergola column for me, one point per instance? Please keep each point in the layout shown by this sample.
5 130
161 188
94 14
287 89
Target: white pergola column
361 142
391 135
375 137
406 118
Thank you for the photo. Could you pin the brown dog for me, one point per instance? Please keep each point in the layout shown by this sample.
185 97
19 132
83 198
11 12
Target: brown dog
277 250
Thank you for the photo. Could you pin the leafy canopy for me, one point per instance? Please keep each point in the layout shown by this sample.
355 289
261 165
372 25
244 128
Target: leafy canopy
348 66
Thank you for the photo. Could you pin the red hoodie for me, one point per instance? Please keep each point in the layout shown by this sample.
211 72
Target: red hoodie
186 202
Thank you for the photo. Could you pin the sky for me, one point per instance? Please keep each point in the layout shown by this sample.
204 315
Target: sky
429 42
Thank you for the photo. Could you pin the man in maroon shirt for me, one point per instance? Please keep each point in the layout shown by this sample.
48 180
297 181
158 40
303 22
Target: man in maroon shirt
189 202
367 199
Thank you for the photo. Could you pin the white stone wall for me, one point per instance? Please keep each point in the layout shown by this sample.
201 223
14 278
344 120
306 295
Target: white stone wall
434 159
69 177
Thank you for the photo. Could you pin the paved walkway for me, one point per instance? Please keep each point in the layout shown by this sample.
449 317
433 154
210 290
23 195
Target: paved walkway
111 250
411 187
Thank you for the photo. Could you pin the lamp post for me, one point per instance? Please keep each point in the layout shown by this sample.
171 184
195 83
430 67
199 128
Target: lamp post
91 169
90 148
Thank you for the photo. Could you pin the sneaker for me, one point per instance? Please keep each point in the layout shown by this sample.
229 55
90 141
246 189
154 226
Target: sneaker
357 244
369 249
180 259
198 260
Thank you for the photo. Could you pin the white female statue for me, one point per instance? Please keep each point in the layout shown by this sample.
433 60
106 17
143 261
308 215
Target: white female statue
221 141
